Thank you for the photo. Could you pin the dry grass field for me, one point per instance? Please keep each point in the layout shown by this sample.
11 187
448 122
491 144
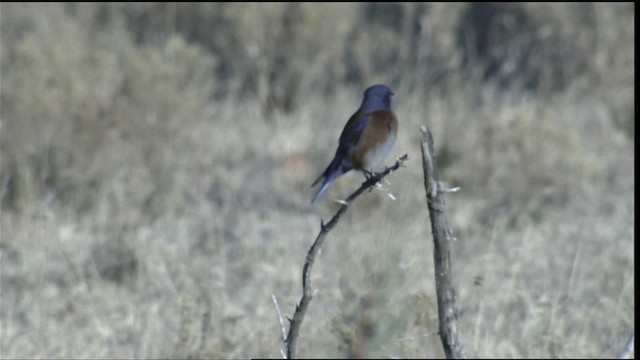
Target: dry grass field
156 162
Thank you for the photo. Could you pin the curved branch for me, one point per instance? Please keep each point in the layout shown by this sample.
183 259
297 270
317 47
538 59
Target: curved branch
307 292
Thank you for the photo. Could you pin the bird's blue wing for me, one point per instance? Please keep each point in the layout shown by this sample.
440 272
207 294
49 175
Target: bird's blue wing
353 129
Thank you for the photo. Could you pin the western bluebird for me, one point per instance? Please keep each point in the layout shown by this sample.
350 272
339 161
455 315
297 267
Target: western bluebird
366 139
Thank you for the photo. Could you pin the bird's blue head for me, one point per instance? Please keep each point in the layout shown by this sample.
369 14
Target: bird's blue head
376 97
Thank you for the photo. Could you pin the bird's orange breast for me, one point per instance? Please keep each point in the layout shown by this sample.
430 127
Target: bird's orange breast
376 141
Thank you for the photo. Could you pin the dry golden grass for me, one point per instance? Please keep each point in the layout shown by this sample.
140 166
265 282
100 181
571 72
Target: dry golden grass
159 222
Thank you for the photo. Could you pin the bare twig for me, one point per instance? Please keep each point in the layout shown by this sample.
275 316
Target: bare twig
284 331
307 292
447 312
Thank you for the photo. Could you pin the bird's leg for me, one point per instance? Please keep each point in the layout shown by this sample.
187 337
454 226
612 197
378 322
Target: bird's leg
378 186
367 174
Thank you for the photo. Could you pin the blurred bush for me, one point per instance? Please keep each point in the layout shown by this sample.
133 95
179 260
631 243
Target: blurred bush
530 46
155 163
81 79
70 97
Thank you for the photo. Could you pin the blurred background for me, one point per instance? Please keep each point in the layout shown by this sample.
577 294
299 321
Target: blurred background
156 162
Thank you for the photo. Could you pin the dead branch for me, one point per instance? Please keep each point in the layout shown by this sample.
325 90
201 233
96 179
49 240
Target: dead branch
447 312
307 293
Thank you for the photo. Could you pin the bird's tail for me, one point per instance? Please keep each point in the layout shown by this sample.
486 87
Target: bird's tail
333 171
325 184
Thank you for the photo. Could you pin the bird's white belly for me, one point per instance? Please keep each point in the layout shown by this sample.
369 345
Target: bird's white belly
377 155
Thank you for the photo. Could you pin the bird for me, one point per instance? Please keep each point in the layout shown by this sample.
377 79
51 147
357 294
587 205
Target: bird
366 139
